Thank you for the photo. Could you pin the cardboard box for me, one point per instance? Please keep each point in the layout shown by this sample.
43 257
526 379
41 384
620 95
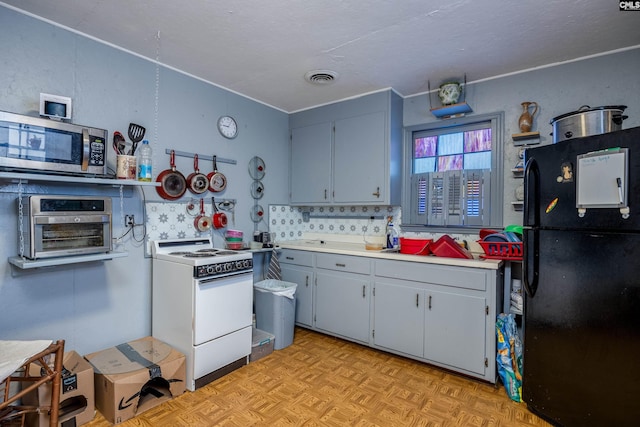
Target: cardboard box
76 397
135 376
261 345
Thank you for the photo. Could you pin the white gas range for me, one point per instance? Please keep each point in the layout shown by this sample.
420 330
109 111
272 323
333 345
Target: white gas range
202 304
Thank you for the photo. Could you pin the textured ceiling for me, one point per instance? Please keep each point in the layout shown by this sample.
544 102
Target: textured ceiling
262 49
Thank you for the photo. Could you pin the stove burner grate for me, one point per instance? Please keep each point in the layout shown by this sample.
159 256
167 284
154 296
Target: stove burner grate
226 253
208 251
199 254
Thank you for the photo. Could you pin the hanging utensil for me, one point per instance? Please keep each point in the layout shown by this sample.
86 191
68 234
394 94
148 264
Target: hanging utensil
202 222
192 207
119 143
257 190
228 206
173 183
197 181
136 133
256 168
219 218
257 213
217 180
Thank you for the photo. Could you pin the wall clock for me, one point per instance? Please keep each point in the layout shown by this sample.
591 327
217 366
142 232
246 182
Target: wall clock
228 127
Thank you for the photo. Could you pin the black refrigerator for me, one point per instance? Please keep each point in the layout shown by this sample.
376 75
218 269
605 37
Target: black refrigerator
581 273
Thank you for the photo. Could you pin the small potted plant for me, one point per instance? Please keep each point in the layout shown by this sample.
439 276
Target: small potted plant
449 93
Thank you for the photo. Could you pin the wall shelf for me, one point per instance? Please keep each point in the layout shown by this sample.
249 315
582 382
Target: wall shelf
27 264
451 111
526 138
26 177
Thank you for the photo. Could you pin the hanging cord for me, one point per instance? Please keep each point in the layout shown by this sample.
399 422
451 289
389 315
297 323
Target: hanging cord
144 220
131 229
157 103
21 218
122 224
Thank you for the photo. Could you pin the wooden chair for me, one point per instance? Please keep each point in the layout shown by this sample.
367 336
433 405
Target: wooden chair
12 411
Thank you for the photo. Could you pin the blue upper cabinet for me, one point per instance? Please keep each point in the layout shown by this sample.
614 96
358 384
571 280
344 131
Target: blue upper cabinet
311 164
348 153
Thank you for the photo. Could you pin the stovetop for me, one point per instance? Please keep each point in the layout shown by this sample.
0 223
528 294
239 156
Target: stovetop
197 252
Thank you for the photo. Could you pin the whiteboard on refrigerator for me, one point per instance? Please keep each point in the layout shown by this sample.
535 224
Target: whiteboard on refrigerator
601 179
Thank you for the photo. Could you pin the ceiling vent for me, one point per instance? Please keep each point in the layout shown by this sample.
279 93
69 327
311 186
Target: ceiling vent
321 77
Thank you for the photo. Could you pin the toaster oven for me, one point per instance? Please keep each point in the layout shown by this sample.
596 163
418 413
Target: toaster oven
54 226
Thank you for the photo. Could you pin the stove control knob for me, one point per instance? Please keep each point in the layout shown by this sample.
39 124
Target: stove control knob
239 265
218 268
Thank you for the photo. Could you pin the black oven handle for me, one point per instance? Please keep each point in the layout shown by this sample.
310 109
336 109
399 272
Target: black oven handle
86 149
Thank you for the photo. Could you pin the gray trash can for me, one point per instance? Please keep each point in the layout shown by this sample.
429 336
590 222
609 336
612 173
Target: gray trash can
275 306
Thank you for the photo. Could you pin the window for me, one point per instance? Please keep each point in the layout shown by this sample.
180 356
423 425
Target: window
455 174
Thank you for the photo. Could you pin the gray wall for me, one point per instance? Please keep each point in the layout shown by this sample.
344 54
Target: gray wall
605 80
97 305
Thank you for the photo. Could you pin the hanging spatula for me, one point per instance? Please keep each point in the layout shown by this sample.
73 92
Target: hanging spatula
136 133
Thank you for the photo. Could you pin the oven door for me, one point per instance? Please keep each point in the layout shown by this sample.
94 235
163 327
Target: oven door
69 235
222 305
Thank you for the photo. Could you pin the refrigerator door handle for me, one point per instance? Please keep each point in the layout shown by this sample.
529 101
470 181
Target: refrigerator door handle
532 194
531 260
531 237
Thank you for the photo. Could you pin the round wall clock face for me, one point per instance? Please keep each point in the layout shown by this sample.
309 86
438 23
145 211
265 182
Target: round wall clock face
228 127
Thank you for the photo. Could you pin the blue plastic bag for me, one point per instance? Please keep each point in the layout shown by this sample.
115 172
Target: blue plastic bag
509 355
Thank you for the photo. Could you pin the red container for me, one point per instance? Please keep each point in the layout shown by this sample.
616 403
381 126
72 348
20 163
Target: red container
502 250
445 246
415 246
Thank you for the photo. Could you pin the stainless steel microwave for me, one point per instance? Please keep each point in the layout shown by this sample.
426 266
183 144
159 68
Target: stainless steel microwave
34 144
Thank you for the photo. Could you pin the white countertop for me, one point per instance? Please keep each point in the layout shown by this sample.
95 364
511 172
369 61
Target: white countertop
358 249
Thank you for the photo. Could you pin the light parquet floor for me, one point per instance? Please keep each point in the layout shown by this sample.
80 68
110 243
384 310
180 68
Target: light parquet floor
325 381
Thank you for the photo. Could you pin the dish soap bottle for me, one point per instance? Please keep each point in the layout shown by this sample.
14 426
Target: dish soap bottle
144 162
392 237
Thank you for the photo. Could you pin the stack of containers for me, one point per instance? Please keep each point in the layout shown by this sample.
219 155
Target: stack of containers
233 239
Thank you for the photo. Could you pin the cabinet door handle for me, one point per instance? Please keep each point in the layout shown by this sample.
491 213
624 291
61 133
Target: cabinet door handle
429 302
377 193
307 281
340 265
325 194
363 289
417 300
289 257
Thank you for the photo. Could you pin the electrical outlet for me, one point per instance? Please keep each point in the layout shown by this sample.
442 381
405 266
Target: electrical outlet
129 220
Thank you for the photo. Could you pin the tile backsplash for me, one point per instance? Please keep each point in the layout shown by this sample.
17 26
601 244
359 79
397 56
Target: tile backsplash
172 220
288 222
